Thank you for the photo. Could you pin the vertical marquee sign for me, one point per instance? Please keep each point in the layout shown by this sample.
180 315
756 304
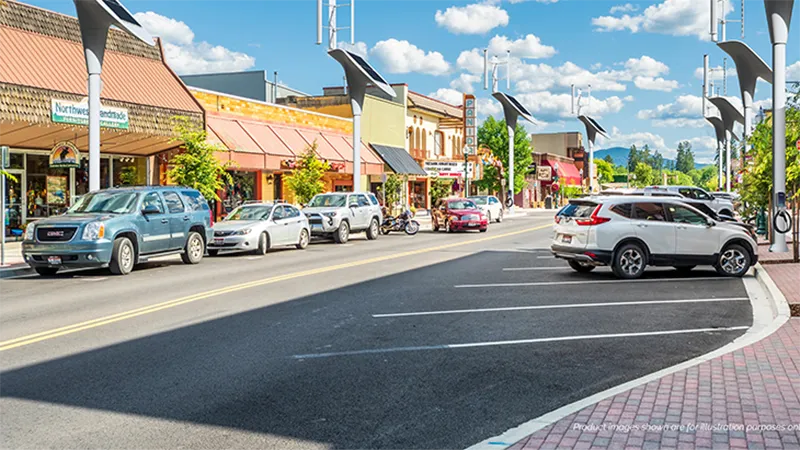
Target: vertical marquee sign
470 124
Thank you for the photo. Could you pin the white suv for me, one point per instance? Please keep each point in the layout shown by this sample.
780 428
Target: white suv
630 233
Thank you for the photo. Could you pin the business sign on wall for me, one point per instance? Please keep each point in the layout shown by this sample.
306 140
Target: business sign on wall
470 123
77 113
447 169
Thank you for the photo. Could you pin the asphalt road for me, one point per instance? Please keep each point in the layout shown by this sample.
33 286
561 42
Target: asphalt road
432 341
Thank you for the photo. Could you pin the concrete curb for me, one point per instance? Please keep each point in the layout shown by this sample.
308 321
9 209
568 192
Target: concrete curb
770 312
12 272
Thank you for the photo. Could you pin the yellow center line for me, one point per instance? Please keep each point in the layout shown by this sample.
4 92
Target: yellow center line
106 320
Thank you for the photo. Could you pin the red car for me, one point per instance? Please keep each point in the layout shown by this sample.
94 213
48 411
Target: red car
458 214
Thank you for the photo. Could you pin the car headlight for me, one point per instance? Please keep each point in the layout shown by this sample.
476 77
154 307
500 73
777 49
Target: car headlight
456 218
94 231
243 231
29 232
329 214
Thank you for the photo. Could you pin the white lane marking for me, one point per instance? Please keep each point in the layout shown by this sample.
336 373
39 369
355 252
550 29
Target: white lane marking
546 257
520 269
552 283
515 342
571 305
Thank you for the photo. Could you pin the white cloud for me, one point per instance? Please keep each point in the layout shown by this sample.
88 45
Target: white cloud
646 66
528 47
464 82
471 61
404 57
671 17
168 29
478 18
655 84
685 112
184 55
703 147
489 107
549 107
714 73
627 7
793 72
359 48
446 95
639 139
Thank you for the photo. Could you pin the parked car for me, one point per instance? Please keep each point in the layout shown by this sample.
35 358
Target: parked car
458 214
629 233
119 228
720 206
490 206
702 205
339 214
258 227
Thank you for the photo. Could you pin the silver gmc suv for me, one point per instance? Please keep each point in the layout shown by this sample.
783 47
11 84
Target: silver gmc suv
338 214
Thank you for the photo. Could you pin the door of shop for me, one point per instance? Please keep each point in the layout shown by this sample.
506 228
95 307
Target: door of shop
15 205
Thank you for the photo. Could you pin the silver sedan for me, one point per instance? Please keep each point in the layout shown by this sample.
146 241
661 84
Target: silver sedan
258 227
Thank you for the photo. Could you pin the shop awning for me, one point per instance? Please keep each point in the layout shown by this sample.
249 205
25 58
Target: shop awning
398 160
568 174
268 146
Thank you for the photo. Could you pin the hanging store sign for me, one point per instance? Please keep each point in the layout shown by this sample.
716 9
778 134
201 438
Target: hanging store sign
65 155
544 173
77 113
470 124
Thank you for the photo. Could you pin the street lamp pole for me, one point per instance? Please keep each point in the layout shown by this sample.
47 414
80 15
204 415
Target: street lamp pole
779 16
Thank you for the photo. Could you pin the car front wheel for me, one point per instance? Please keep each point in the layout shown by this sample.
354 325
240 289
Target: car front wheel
373 230
734 261
194 249
629 261
342 235
122 257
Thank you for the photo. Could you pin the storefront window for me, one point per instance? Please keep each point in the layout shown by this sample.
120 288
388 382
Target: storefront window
13 197
130 171
47 190
82 176
241 190
16 161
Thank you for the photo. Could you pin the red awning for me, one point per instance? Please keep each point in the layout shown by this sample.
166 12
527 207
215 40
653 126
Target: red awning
568 174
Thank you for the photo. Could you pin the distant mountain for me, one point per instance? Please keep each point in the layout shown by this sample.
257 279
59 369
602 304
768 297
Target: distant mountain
620 156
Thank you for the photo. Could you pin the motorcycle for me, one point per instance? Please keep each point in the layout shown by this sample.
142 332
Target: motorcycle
403 222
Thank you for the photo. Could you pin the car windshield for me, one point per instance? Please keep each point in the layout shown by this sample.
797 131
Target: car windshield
105 202
332 200
252 212
480 200
461 204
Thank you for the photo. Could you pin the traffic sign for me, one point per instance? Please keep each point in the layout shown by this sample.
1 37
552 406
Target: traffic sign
555 187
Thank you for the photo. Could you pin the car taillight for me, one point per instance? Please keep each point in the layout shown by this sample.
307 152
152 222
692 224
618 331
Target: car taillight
558 219
593 219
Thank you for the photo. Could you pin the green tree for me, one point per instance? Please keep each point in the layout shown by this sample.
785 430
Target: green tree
440 188
494 134
306 179
685 160
605 171
620 170
645 175
394 189
609 159
678 178
634 158
197 166
703 175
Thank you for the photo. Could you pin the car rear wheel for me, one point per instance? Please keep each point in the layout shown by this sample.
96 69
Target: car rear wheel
122 257
581 267
500 216
342 235
263 244
374 230
684 269
304 239
489 216
46 271
734 261
194 249
629 261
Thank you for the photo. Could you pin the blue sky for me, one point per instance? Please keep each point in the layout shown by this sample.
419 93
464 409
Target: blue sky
641 58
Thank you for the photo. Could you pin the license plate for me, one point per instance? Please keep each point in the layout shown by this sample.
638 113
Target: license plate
316 226
54 260
219 241
473 225
566 238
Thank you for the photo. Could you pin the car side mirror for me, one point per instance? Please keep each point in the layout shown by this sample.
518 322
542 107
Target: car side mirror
710 223
150 209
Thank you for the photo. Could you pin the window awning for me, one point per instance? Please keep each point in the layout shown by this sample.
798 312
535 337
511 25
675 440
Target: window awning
264 145
398 160
568 174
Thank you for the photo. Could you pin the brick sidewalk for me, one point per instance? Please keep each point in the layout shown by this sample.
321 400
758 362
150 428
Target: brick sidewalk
758 385
787 278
